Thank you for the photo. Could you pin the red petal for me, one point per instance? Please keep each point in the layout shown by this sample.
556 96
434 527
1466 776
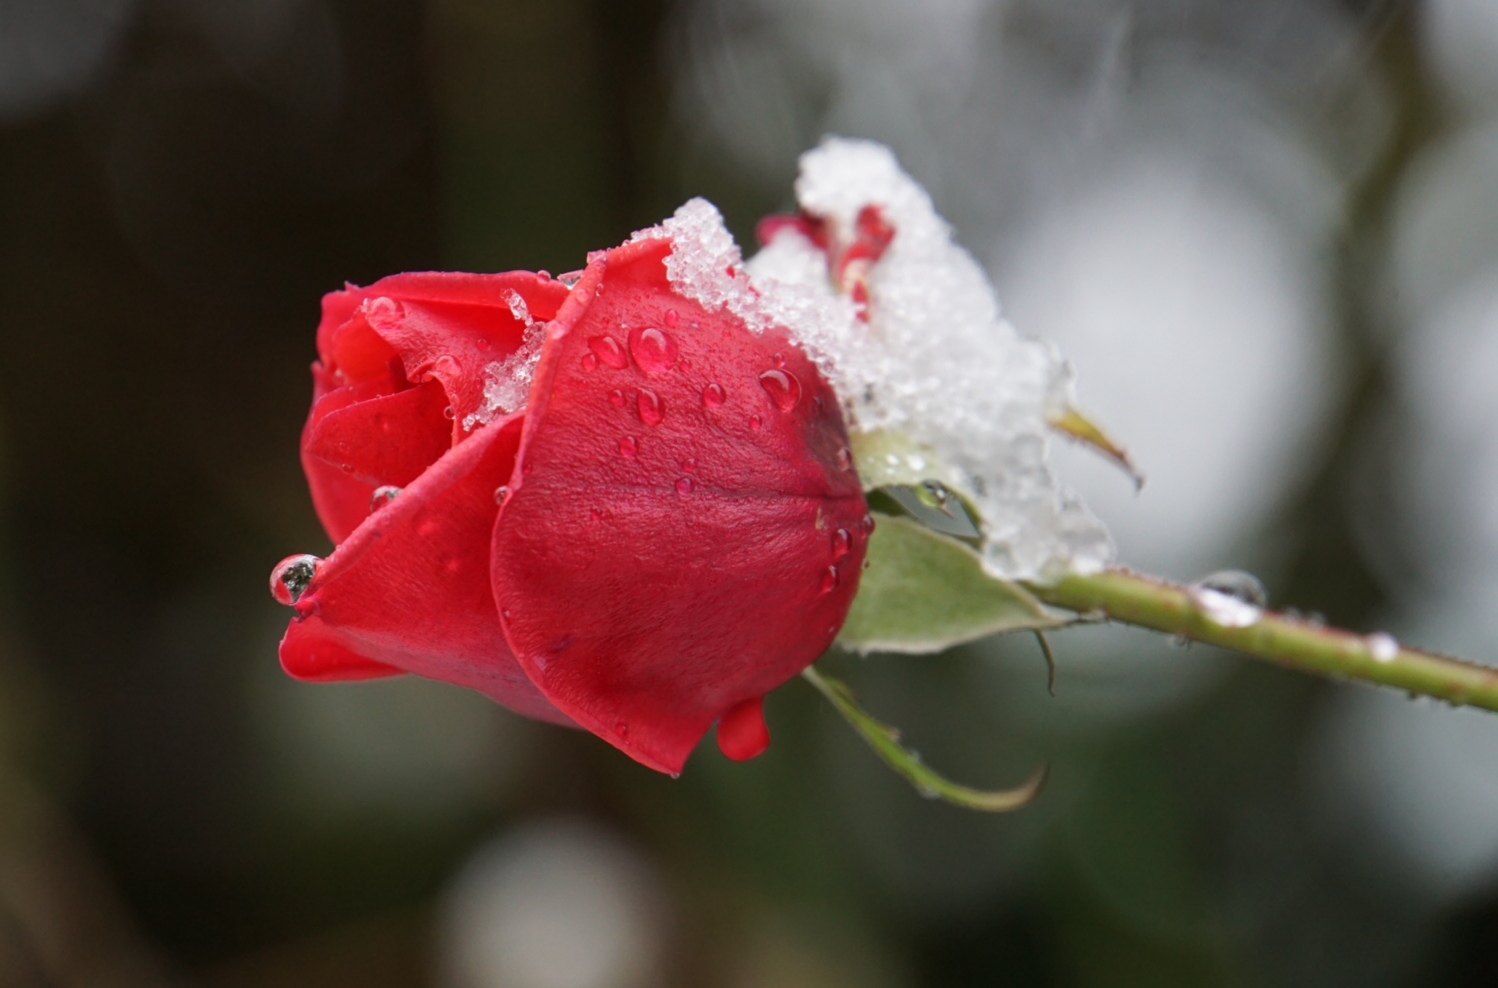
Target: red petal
386 440
311 653
653 576
409 588
742 733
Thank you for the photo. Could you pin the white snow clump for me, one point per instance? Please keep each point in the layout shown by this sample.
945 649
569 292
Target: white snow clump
935 362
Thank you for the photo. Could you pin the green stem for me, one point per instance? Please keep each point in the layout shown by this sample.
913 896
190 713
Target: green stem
1122 595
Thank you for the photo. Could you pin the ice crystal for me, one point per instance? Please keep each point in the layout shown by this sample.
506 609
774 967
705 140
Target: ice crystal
507 382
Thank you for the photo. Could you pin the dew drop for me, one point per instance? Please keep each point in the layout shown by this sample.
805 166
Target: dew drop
829 579
382 496
755 422
842 543
483 344
653 350
684 485
500 493
449 414
779 360
628 447
590 361
713 396
844 458
651 409
383 312
347 468
622 729
1382 646
690 463
867 524
672 319
1230 598
608 350
782 387
616 398
446 367
291 577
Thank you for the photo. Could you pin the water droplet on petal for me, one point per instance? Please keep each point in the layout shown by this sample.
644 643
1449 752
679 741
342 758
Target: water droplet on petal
347 468
609 350
844 458
622 729
651 409
829 579
690 463
616 398
291 577
842 543
449 414
782 387
672 319
684 485
779 359
867 524
1230 598
500 493
755 422
590 361
713 396
653 350
628 447
447 367
382 496
1382 646
384 313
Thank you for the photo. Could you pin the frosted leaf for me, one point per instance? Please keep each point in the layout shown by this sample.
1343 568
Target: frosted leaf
935 362
507 383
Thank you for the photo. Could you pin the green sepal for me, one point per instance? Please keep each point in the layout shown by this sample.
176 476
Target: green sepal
923 592
885 741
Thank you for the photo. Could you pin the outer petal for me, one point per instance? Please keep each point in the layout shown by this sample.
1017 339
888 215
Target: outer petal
684 532
409 589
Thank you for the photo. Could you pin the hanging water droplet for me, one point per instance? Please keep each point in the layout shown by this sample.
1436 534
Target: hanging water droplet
829 579
684 485
844 458
651 409
609 350
1230 598
713 396
1382 646
448 413
616 398
570 278
590 361
500 493
755 422
291 577
628 447
381 497
842 543
782 387
672 319
653 350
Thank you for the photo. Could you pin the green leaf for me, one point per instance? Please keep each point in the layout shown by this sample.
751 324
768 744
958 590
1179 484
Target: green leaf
885 741
924 592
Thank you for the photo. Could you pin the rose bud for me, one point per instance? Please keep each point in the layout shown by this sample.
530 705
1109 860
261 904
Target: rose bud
627 504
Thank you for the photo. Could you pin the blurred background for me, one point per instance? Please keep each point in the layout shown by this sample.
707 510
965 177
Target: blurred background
1264 231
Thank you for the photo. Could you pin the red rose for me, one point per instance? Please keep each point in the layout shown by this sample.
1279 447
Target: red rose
661 528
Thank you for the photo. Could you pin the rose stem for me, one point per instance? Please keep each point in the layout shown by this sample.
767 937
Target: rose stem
1128 597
